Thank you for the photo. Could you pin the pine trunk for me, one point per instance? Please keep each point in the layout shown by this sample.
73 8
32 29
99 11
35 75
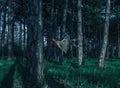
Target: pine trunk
119 40
3 33
10 29
20 36
80 34
65 16
105 36
39 53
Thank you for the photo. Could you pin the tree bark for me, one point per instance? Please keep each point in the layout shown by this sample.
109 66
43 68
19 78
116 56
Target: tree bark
34 67
51 32
20 35
31 64
10 29
24 38
119 40
3 32
80 34
65 16
0 30
105 36
39 53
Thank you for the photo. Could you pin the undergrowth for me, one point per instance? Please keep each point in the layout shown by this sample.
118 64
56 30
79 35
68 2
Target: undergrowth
68 74
88 75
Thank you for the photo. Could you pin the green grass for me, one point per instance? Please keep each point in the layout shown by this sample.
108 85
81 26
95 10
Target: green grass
89 75
5 65
9 74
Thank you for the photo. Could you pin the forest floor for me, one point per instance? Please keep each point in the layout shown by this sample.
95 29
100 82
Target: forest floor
67 74
9 74
89 75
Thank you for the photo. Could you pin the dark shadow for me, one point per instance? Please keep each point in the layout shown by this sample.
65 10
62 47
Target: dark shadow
30 83
22 72
8 79
29 80
53 83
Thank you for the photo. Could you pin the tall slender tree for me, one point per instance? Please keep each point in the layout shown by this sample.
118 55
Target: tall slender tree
24 37
118 40
39 53
10 28
34 74
51 29
65 15
3 31
80 34
105 35
20 35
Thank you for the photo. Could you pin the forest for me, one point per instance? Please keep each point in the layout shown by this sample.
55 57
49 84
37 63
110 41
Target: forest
59 43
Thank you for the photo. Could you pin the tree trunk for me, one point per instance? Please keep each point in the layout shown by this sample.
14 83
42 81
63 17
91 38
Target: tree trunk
0 31
39 53
34 74
56 34
10 29
31 64
3 32
50 32
65 16
20 36
119 40
24 38
80 34
105 36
